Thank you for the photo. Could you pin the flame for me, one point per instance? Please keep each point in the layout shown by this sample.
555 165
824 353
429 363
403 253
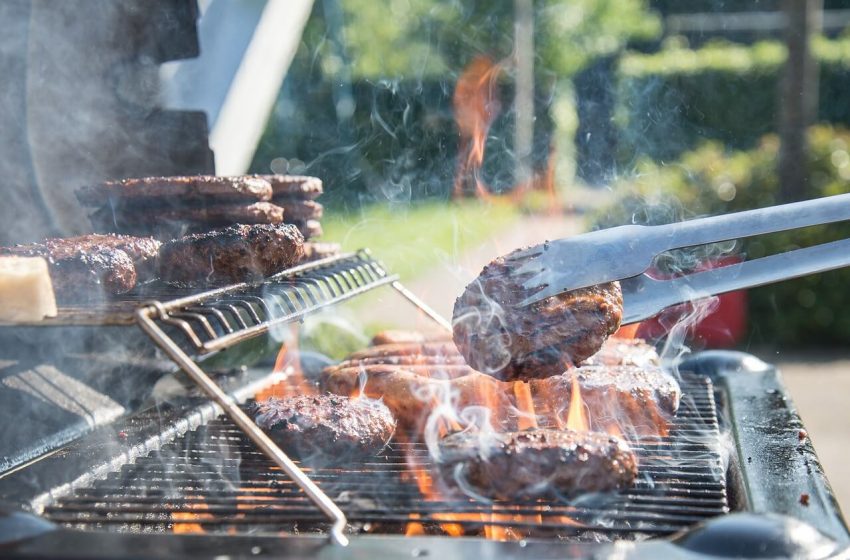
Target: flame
288 361
184 522
627 332
577 418
614 430
475 106
414 528
527 418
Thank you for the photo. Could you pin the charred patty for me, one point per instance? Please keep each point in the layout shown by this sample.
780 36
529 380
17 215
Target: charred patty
236 253
89 267
499 337
326 425
535 463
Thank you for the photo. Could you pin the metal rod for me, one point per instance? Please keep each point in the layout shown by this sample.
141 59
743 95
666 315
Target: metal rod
424 307
244 422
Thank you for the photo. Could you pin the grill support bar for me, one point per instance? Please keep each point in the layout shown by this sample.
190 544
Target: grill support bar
243 421
424 307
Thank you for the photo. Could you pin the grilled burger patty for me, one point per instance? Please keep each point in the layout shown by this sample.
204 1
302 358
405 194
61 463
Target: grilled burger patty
314 251
88 267
535 463
293 187
170 191
500 338
329 425
412 378
236 253
624 352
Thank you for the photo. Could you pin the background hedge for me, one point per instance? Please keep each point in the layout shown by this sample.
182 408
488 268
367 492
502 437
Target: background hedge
671 101
713 180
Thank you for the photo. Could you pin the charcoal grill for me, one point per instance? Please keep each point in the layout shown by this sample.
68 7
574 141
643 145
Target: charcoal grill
194 467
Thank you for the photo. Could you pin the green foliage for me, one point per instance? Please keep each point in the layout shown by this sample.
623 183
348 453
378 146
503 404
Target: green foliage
712 180
409 38
672 100
411 239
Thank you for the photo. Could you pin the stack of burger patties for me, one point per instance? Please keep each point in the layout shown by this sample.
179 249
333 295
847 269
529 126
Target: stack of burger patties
170 207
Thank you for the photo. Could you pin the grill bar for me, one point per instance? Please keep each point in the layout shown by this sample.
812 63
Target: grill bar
214 480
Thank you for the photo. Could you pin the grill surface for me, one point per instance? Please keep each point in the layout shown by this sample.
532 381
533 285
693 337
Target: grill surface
213 480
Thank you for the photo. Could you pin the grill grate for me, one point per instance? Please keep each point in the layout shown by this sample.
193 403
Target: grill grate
214 480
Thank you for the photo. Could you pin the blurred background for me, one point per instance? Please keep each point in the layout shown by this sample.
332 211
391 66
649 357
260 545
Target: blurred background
450 132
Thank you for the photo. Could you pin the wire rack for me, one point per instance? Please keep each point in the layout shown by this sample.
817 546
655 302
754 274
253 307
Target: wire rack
198 324
213 480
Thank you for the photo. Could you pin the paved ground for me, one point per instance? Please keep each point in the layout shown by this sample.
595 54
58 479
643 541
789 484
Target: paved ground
820 388
446 281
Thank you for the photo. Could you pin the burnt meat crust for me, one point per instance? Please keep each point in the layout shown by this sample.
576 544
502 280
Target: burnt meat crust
536 463
624 352
209 215
233 254
314 251
309 228
294 187
89 267
179 189
500 338
329 425
636 399
297 211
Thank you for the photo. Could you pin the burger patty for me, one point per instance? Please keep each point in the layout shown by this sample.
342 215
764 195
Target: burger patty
314 251
636 400
170 191
309 228
209 215
293 187
298 211
534 463
500 338
87 267
396 336
328 425
414 378
233 254
624 352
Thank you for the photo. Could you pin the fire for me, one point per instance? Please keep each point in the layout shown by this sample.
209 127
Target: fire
577 417
475 106
288 360
186 521
413 528
627 332
527 417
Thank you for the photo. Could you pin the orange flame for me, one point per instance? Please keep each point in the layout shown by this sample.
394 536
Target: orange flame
627 332
184 522
414 528
288 360
475 106
577 418
527 418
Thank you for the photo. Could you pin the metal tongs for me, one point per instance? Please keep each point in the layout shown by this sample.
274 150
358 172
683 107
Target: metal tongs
625 253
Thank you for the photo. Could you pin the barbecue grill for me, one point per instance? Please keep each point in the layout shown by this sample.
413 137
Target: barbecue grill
187 477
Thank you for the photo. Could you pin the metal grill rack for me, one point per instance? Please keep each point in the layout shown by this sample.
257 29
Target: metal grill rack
218 319
214 480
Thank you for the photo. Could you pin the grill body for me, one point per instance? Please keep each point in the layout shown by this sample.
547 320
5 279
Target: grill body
205 479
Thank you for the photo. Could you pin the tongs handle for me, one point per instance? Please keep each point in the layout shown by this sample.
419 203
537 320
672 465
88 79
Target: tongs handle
644 297
757 222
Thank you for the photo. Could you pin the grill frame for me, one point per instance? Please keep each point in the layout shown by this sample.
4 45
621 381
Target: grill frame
745 387
663 501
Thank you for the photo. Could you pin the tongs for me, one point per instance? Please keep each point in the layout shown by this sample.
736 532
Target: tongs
625 253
